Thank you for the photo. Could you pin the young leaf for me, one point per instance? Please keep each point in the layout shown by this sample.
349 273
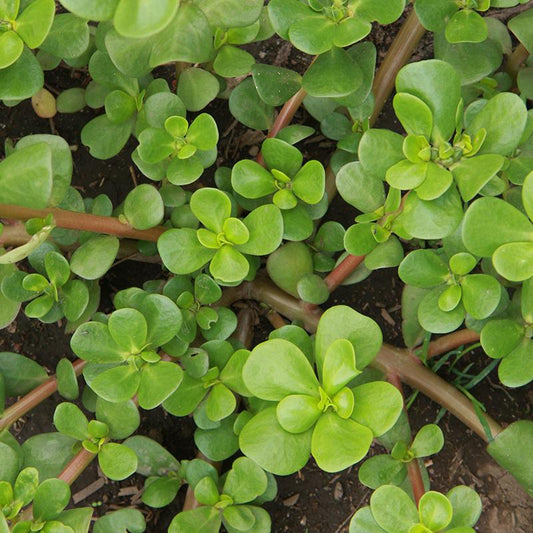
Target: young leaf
117 461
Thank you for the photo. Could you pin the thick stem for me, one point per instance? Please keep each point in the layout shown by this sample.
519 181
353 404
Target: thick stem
413 468
400 51
14 235
390 360
76 466
452 341
82 221
343 271
33 398
516 60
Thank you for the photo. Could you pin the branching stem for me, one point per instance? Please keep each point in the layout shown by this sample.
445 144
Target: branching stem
33 398
82 221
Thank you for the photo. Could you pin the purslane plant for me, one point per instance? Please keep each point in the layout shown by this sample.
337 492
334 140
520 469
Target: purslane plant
457 186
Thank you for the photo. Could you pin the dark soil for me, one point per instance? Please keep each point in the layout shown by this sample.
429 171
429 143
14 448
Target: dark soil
311 500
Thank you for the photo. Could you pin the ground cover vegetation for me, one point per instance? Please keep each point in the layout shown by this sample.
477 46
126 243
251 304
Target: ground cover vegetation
448 203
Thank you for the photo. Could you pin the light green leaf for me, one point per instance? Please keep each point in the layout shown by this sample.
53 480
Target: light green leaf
393 509
158 382
117 461
271 447
338 443
135 18
377 405
34 23
95 257
342 322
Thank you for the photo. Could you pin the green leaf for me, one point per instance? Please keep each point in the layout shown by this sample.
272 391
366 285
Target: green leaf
466 505
466 25
229 265
360 190
379 150
117 384
134 18
381 470
297 413
377 405
199 520
265 226
351 30
9 9
423 268
337 65
181 251
11 46
339 366
342 322
34 23
274 84
101 10
313 34
472 174
143 207
521 27
251 180
247 107
95 257
435 510
22 79
513 260
26 177
68 37
484 213
158 382
238 518
93 342
218 443
437 85
49 453
428 441
153 459
69 420
197 88
21 374
231 13
186 398
77 519
504 118
433 319
160 492
271 447
245 481
122 521
117 461
414 114
232 62
309 182
212 207
339 443
128 329
220 403
187 37
9 466
104 138
393 510
277 368
433 219
516 369
500 337
203 132
51 497
481 295
363 520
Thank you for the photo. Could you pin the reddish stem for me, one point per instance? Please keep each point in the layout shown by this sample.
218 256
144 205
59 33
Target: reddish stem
34 398
413 468
400 51
284 118
343 271
452 341
76 466
82 221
